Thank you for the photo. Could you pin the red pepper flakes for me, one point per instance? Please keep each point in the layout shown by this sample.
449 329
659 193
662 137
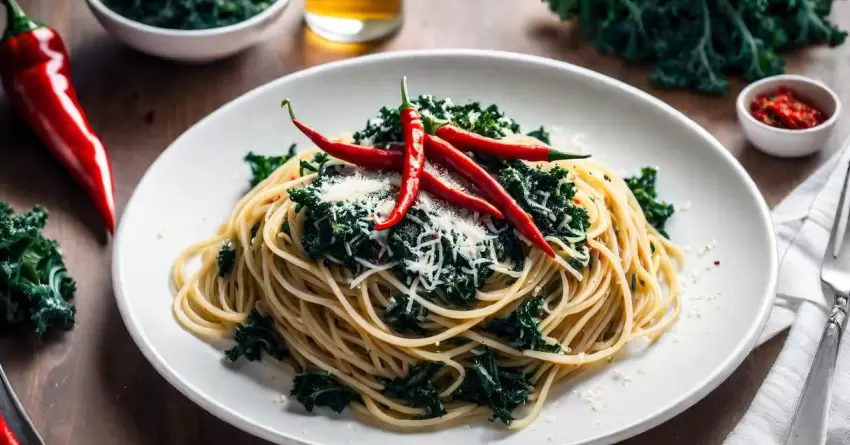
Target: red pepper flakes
785 109
716 262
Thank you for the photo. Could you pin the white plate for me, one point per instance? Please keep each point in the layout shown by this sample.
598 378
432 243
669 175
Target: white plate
192 187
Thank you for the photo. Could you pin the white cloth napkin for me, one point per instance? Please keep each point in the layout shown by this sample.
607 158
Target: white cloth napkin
803 222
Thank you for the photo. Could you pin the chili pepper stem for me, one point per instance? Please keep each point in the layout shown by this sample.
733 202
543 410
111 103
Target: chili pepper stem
17 21
288 103
432 124
405 103
555 155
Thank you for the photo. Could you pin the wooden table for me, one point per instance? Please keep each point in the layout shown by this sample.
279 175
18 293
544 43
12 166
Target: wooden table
92 385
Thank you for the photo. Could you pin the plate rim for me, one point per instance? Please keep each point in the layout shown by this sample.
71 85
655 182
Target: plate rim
685 401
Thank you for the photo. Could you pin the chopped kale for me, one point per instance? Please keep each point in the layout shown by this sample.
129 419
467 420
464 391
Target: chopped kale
548 197
254 337
338 229
643 187
34 283
263 166
520 328
341 230
188 14
541 135
314 388
500 388
316 165
460 277
417 389
226 258
406 316
487 121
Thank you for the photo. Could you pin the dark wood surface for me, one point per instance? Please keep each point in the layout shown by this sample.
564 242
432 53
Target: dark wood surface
92 386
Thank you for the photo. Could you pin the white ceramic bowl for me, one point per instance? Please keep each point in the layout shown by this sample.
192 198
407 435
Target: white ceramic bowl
204 45
789 143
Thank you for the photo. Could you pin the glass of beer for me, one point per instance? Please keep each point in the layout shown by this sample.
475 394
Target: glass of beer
353 20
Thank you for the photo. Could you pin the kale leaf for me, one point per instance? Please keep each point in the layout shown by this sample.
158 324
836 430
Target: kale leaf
417 389
696 44
520 328
263 166
643 187
500 388
404 316
34 282
541 135
188 14
226 258
315 165
487 121
254 337
314 388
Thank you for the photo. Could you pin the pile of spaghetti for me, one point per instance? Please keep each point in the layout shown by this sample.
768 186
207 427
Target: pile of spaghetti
449 313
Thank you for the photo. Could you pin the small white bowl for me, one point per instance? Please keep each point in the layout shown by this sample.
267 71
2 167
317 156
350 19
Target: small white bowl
779 141
203 45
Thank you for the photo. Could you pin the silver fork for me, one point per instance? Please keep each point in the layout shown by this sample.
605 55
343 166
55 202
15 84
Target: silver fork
809 424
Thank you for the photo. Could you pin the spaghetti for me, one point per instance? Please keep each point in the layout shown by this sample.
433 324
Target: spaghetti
334 314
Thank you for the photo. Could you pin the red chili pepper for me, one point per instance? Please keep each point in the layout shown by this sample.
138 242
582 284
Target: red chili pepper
7 437
443 152
470 141
414 160
34 67
374 158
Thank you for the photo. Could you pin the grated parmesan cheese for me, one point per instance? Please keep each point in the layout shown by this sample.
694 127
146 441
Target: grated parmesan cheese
448 232
467 238
622 376
352 188
707 247
694 313
591 397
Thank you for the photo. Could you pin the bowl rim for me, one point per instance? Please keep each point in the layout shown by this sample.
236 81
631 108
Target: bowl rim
273 9
743 109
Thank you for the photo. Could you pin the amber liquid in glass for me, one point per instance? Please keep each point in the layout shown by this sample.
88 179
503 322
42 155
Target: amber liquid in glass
353 20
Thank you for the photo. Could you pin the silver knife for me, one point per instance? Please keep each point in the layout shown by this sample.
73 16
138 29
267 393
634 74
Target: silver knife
809 425
15 416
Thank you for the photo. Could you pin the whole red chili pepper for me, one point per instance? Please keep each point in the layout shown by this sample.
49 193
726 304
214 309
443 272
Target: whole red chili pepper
470 141
414 160
34 67
443 152
7 437
374 158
